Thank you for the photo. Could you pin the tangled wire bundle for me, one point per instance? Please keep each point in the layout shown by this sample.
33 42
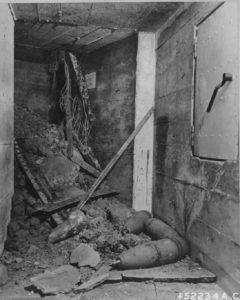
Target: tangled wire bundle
81 115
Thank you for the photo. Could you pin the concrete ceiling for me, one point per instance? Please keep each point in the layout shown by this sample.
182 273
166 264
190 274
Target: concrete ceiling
84 27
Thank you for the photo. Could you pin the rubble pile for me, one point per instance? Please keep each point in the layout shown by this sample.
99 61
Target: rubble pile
93 243
28 251
38 138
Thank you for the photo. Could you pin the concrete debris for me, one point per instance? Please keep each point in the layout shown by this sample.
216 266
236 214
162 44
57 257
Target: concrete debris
32 249
92 283
93 210
117 212
59 171
13 227
18 210
18 197
3 275
63 279
74 224
38 137
34 222
70 192
22 233
18 260
85 255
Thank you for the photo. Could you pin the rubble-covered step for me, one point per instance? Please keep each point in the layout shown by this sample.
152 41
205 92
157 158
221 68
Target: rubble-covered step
181 271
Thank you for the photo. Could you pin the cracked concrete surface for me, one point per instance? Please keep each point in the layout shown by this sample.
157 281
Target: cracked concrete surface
149 291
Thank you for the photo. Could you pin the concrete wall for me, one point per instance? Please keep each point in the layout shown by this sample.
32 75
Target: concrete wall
6 118
113 105
200 198
34 55
32 84
144 141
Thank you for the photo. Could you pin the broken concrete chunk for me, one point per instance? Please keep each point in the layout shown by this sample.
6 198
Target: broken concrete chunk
18 260
117 212
85 255
32 249
92 283
76 222
35 222
63 279
3 275
59 171
22 233
13 228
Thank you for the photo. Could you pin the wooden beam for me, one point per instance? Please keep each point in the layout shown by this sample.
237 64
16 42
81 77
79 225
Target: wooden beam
85 166
68 201
33 181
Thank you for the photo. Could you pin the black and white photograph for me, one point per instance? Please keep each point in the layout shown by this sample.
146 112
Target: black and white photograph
119 150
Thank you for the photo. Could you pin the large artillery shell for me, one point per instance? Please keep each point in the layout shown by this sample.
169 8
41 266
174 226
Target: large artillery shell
74 224
135 224
154 254
157 229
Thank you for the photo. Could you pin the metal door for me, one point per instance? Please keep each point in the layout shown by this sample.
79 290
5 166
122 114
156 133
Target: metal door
216 126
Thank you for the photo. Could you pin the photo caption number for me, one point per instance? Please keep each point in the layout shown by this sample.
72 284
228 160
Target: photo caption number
193 296
203 296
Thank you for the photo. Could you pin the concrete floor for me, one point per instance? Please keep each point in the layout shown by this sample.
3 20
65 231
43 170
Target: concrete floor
128 290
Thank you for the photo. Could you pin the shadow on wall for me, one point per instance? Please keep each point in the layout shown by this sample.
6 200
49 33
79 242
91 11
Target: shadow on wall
162 125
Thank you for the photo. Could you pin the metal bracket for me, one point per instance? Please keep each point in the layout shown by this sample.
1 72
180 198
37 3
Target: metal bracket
226 77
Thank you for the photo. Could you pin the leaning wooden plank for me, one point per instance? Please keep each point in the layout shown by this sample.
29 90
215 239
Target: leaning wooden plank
50 207
115 158
85 166
33 181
